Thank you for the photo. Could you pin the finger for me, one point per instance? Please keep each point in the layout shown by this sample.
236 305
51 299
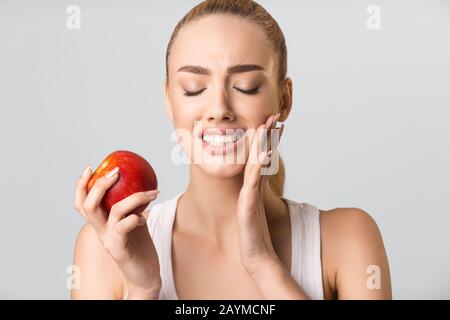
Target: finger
121 209
100 187
145 214
129 223
272 125
275 139
93 199
80 190
254 175
256 158
257 144
275 120
263 137
259 141
268 123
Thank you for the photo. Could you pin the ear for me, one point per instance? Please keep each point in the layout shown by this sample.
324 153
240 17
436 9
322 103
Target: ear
285 99
167 100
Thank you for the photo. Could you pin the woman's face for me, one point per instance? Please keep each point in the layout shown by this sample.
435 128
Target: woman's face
222 76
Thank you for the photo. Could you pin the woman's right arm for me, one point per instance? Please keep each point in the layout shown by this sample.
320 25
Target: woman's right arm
115 249
98 276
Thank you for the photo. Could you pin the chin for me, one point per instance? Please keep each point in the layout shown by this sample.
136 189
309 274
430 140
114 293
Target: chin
222 170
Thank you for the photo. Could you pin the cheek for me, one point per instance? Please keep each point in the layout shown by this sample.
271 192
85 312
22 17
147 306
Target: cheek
256 109
269 101
185 114
184 118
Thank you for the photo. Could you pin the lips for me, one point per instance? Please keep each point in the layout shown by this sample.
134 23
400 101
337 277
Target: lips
221 141
219 131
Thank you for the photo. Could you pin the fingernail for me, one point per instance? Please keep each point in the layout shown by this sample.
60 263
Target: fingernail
86 171
112 172
277 117
269 123
269 153
151 193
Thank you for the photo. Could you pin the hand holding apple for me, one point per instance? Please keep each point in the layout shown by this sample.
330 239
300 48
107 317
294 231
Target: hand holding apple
118 219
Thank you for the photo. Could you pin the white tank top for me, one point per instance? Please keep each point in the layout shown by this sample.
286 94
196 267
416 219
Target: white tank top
305 236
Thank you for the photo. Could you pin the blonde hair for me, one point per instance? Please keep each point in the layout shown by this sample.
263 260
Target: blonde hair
255 13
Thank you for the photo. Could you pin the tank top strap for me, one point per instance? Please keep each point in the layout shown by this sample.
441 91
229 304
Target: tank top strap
160 224
306 264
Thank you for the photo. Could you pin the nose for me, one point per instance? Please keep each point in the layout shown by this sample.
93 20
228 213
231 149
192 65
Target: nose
220 109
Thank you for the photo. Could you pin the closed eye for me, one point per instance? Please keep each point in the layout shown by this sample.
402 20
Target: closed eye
191 94
196 93
252 91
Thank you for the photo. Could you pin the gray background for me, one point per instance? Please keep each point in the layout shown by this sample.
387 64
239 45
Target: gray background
369 126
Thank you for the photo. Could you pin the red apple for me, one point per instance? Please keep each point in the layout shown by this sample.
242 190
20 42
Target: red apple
135 175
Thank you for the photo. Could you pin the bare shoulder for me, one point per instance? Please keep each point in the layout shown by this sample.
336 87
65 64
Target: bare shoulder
345 220
354 258
98 276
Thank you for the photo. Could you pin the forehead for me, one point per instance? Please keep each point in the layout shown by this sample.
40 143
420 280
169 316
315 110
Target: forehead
219 41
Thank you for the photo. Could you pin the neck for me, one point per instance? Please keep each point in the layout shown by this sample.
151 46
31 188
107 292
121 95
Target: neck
209 207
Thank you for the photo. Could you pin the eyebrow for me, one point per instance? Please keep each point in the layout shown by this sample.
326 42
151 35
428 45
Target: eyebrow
240 68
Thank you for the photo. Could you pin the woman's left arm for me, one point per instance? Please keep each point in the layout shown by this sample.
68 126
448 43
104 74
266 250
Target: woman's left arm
352 246
354 254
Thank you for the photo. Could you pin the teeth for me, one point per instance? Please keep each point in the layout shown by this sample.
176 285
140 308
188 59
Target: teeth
218 140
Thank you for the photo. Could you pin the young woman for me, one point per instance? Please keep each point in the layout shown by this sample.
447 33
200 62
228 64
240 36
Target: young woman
231 234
